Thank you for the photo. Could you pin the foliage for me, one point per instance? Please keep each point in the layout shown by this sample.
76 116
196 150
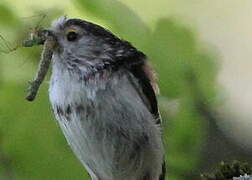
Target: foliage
228 171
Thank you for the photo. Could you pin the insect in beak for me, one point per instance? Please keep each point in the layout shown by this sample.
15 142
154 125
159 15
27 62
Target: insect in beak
48 40
37 37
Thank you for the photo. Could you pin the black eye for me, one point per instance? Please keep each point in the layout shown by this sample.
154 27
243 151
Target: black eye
72 36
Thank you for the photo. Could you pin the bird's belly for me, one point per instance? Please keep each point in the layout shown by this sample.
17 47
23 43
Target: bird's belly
98 142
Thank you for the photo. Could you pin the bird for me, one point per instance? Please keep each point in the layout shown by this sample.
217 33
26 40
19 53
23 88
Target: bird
102 92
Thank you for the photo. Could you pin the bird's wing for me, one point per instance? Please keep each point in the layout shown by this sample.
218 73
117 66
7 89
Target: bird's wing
145 86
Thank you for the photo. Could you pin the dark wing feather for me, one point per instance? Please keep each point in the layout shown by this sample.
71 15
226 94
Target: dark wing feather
144 75
162 175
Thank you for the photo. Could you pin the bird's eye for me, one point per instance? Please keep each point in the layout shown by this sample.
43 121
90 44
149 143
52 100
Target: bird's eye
72 36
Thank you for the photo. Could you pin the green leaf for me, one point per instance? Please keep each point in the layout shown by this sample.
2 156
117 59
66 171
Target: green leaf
8 17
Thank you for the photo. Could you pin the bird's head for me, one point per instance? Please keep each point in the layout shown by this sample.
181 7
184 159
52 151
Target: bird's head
89 46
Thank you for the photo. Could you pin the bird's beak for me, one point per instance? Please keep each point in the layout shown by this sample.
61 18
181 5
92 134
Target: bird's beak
44 35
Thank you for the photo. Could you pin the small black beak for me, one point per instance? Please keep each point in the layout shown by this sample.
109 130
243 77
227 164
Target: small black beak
43 34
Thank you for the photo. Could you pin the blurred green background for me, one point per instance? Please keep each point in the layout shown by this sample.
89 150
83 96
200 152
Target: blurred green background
188 58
